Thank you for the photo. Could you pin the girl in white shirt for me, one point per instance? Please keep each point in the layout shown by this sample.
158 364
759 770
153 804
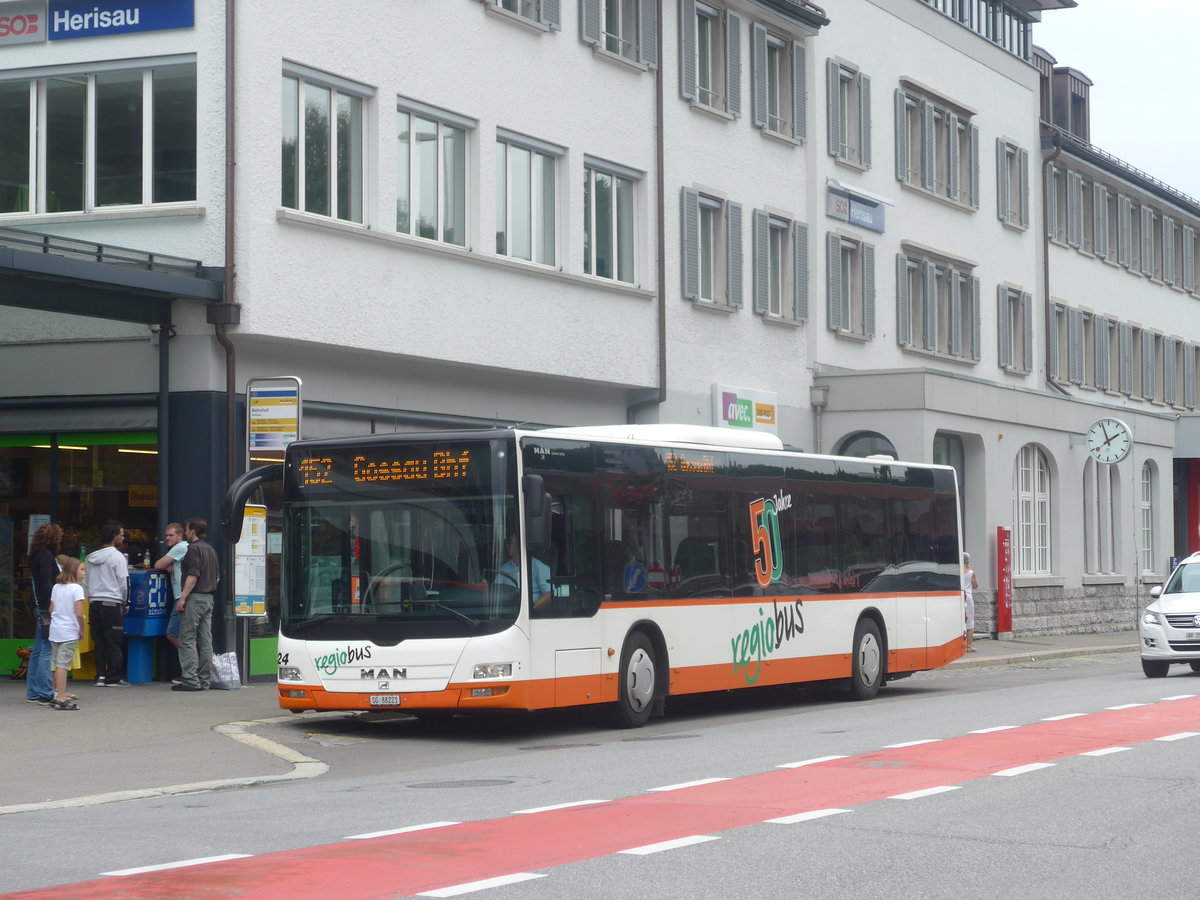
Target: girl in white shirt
66 627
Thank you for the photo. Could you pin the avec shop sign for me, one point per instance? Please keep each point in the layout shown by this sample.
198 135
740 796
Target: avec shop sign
35 21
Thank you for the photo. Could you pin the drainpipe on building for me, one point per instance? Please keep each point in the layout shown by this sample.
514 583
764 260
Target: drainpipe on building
660 201
1047 186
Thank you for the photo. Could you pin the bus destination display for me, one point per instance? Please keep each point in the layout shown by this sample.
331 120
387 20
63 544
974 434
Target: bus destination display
445 465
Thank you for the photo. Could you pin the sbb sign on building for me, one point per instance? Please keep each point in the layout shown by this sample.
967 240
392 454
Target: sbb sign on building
32 21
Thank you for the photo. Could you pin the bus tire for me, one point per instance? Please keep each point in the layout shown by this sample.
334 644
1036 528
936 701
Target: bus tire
868 670
637 682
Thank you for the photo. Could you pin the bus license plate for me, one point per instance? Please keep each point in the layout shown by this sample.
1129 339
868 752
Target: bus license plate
385 699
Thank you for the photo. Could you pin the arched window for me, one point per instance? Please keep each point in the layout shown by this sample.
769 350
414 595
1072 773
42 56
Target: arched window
1100 503
1031 496
867 443
1146 521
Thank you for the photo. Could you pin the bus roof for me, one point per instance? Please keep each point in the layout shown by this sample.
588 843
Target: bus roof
670 434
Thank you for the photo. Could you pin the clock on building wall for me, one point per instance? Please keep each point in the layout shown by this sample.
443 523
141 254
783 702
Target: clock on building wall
1109 440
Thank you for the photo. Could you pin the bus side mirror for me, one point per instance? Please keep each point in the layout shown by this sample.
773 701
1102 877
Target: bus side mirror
537 510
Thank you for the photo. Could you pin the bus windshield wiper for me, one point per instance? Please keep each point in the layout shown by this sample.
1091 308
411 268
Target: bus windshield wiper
474 623
297 627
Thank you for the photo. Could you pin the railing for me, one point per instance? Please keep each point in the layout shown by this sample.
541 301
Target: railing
71 248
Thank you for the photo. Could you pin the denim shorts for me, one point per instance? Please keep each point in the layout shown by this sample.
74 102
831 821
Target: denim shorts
173 622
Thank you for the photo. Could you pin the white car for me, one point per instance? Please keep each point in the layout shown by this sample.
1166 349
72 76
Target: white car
1170 626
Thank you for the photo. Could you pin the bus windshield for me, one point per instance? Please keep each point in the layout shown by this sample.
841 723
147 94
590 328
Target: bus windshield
392 541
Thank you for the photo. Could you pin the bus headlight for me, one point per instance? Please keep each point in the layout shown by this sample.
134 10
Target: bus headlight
493 670
289 673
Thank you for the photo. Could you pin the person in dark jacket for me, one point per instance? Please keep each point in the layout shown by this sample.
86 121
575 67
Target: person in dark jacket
43 570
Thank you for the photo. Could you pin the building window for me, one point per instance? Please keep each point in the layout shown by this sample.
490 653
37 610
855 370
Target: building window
1146 522
609 238
850 272
1031 494
778 85
431 173
849 106
1014 315
937 147
937 306
322 148
624 28
1057 198
1012 188
544 12
121 137
711 249
710 70
527 200
1100 542
780 248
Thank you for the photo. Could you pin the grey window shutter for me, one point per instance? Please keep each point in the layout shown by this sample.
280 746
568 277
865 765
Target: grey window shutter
1004 327
956 311
733 234
799 92
1002 186
1074 209
550 14
690 244
1147 241
976 321
903 302
1169 392
833 273
974 167
1099 220
868 291
1027 324
1125 357
733 64
1148 364
901 135
929 276
800 271
1168 250
758 83
687 49
760 239
1189 376
589 22
1023 168
1103 362
1052 204
864 120
928 148
833 85
1057 324
1074 346
952 185
1124 231
1189 259
648 33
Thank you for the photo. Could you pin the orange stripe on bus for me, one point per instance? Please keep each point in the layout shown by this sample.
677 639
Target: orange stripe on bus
668 603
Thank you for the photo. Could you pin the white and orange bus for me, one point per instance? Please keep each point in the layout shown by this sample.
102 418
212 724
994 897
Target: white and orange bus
621 565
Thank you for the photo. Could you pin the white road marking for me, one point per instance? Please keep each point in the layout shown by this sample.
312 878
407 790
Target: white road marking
538 809
670 845
1021 770
927 792
809 762
993 728
1126 706
1105 751
182 864
471 886
687 784
1178 737
404 830
806 816
1180 697
1066 716
911 743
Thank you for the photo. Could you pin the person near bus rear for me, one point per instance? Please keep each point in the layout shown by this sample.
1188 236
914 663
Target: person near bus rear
539 572
43 570
106 585
201 574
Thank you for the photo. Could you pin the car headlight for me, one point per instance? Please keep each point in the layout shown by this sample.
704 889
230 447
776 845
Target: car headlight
289 673
1150 617
493 670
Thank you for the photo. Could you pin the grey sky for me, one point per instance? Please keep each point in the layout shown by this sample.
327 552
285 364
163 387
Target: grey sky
1139 57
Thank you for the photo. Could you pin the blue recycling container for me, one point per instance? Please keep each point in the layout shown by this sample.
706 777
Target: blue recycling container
149 610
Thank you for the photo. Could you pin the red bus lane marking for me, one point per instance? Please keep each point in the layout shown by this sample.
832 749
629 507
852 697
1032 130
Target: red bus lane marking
421 861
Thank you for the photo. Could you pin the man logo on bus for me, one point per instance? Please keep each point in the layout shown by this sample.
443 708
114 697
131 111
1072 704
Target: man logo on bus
764 530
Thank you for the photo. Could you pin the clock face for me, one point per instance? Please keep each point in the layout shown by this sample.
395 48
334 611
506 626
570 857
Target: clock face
1109 441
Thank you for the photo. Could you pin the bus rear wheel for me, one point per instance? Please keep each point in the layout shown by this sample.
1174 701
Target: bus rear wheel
868 669
637 686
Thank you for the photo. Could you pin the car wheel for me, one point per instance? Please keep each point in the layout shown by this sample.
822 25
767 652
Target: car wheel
1195 666
1155 668
637 686
868 669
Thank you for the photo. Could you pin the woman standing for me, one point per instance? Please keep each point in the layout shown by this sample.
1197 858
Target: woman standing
43 570
969 583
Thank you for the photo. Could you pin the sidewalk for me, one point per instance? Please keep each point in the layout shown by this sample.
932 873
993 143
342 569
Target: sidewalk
145 740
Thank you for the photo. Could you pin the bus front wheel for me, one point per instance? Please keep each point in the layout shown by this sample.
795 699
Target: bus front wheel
637 682
867 673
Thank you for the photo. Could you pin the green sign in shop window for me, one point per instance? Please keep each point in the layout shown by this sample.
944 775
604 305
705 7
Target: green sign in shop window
85 439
